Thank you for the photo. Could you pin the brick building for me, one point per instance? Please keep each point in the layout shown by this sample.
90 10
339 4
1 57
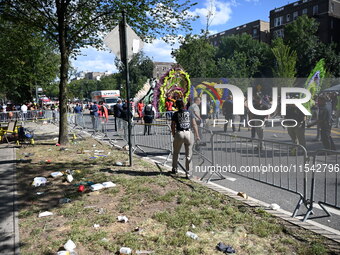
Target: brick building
258 30
326 12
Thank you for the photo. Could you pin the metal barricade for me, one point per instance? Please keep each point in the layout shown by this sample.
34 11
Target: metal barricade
203 151
159 137
325 181
277 164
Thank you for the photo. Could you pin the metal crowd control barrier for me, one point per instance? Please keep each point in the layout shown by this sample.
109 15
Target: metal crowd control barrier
203 151
277 164
32 115
325 190
159 137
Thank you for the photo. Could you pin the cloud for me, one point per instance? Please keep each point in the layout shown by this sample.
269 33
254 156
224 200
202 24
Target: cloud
95 60
160 51
220 12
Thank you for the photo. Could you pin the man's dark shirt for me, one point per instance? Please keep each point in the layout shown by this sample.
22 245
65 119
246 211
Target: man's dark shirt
227 109
182 120
294 113
325 116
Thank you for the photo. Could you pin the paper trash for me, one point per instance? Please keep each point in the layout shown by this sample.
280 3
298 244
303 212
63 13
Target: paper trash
39 181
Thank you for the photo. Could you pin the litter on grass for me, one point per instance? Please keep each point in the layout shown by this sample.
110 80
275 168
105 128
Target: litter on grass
99 186
64 200
45 214
274 207
123 219
125 250
39 181
56 174
70 245
69 178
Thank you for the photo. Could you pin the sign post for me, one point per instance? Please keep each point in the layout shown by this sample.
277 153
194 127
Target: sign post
128 44
124 59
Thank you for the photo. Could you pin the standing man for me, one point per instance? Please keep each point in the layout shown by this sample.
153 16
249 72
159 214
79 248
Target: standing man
325 122
259 120
94 115
23 109
117 112
168 107
140 107
297 133
194 111
149 113
181 127
217 109
78 114
227 109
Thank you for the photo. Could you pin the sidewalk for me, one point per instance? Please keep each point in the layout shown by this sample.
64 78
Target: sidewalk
9 230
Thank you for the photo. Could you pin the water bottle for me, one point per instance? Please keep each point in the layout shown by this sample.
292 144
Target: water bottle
124 251
192 235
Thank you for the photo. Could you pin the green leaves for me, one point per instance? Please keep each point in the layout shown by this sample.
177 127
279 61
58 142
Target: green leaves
26 60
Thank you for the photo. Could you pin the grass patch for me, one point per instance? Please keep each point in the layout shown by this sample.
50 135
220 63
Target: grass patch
160 208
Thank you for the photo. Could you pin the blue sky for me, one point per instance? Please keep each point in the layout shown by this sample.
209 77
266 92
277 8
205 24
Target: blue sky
227 14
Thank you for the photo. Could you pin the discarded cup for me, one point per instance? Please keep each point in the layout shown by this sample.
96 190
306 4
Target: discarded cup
81 188
123 219
39 181
70 245
191 235
56 174
96 226
45 214
125 250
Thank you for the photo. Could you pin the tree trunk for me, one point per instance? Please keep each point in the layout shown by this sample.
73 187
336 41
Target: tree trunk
64 67
63 127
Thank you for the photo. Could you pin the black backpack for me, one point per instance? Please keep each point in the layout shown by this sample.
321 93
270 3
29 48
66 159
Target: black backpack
148 110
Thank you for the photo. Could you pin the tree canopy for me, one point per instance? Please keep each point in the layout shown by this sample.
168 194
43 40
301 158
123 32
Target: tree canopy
72 24
27 60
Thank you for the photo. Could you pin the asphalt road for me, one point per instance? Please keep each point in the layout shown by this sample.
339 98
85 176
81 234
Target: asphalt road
281 187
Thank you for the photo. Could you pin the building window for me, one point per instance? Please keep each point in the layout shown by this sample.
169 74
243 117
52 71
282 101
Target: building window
332 25
332 7
278 21
279 33
254 32
288 17
304 11
315 9
295 15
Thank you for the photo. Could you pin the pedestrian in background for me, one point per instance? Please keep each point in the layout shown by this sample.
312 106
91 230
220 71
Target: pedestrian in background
149 113
94 116
227 110
325 122
182 126
117 112
296 133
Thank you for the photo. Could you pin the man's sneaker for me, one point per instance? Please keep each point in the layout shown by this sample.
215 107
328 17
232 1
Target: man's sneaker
174 171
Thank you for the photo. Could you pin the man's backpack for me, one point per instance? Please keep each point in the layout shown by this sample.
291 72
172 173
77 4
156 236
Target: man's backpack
148 110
